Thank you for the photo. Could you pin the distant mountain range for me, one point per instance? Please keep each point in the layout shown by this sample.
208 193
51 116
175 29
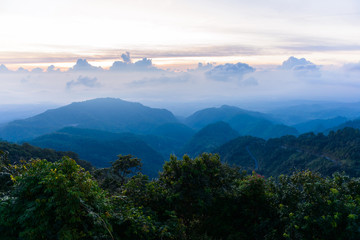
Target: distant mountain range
243 121
106 114
100 129
300 113
320 125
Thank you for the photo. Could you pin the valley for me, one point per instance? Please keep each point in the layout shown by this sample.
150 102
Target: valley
99 130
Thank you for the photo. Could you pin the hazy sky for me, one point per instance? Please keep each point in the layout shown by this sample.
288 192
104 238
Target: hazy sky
149 50
178 34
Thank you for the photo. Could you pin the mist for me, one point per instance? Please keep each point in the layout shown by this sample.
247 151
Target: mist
185 91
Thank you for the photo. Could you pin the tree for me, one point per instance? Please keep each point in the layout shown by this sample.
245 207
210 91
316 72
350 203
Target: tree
312 207
5 180
126 165
113 178
195 189
54 201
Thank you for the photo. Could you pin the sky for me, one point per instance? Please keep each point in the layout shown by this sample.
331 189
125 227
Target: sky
177 33
150 50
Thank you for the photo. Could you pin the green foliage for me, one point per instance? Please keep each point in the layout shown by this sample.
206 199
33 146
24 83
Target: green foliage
194 183
337 152
5 180
16 152
54 201
4 158
312 207
114 177
126 165
199 198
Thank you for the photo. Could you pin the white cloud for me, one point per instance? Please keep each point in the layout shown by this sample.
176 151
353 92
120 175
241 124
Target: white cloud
144 64
83 81
82 65
301 67
37 70
22 70
229 71
52 69
293 62
4 69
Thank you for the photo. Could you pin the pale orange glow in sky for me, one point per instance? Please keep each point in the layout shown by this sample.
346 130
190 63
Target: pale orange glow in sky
178 33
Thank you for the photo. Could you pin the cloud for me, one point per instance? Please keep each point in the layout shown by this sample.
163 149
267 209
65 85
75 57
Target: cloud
4 69
51 69
126 57
22 70
37 70
84 81
82 65
229 71
119 66
144 64
301 67
162 80
293 62
251 81
25 79
352 67
202 67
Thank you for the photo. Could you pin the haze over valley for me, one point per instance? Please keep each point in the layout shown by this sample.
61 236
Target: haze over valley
180 120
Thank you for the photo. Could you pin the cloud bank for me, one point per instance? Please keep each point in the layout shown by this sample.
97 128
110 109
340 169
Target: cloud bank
295 78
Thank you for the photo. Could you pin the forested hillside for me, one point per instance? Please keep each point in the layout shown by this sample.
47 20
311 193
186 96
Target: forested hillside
15 153
352 124
338 151
100 147
208 139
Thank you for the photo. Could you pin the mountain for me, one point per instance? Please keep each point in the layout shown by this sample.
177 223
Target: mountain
243 121
209 138
299 113
352 124
25 151
100 147
339 151
248 125
169 138
224 113
319 125
177 131
106 114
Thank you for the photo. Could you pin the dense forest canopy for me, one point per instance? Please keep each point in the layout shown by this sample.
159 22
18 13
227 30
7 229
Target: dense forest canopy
200 198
